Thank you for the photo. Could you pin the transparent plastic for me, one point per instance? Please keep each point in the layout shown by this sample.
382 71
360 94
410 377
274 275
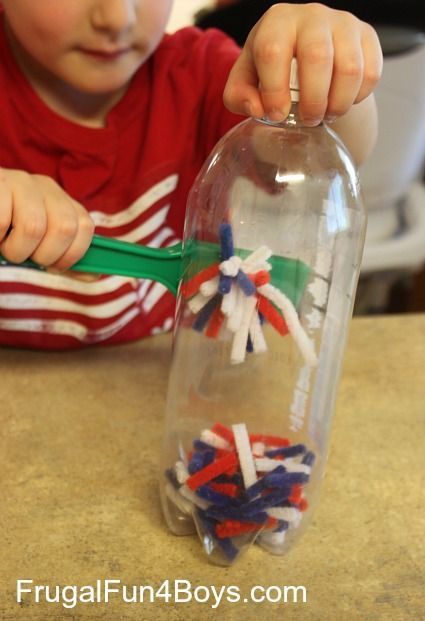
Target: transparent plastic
255 368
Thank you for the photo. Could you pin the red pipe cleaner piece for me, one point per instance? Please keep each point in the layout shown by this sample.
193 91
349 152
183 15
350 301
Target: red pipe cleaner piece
215 323
220 452
268 440
212 471
261 278
296 492
233 528
272 315
232 470
303 504
191 286
224 432
228 489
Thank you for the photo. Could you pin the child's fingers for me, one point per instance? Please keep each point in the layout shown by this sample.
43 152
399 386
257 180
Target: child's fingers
81 241
373 61
28 221
47 225
315 56
69 228
61 229
347 75
241 94
339 63
272 50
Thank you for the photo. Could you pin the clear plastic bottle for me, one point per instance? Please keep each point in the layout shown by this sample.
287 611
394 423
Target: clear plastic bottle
259 338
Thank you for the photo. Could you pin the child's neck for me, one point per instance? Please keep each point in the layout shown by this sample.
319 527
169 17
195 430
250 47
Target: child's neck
87 109
90 110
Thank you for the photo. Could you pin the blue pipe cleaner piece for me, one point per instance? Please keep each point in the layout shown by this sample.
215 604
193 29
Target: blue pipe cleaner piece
234 478
224 284
287 451
223 513
286 478
280 469
276 478
226 544
256 488
245 283
208 457
196 463
308 458
205 313
204 491
281 525
228 547
199 445
226 241
265 502
235 513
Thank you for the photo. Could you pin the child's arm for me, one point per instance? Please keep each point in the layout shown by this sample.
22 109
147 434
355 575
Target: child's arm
39 220
339 63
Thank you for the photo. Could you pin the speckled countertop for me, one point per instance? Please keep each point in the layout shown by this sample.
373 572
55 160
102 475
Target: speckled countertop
79 437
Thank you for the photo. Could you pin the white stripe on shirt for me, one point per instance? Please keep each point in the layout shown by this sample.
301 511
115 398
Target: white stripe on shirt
29 301
146 228
156 292
68 328
57 282
146 200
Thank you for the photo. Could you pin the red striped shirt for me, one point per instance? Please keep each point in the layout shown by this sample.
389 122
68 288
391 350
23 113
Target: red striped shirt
133 176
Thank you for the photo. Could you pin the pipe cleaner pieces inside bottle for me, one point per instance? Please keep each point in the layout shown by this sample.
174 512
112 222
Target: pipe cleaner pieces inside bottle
236 294
241 488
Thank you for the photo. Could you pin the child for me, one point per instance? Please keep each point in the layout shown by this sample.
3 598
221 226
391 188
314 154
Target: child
106 122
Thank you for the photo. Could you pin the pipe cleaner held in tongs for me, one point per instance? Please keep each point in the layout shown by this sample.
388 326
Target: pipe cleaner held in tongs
237 294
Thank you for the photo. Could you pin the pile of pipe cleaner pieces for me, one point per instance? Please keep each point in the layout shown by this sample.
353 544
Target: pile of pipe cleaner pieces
237 293
241 486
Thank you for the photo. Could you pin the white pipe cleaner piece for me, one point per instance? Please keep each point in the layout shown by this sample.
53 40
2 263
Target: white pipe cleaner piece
214 440
246 459
198 302
266 464
258 449
235 318
241 287
257 337
275 539
209 287
241 336
182 503
231 266
182 473
289 514
291 317
229 302
257 260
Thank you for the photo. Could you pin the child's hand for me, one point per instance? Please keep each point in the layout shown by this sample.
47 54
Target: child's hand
339 63
38 220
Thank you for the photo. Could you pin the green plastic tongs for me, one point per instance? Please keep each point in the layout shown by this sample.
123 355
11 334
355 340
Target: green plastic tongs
168 265
113 256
